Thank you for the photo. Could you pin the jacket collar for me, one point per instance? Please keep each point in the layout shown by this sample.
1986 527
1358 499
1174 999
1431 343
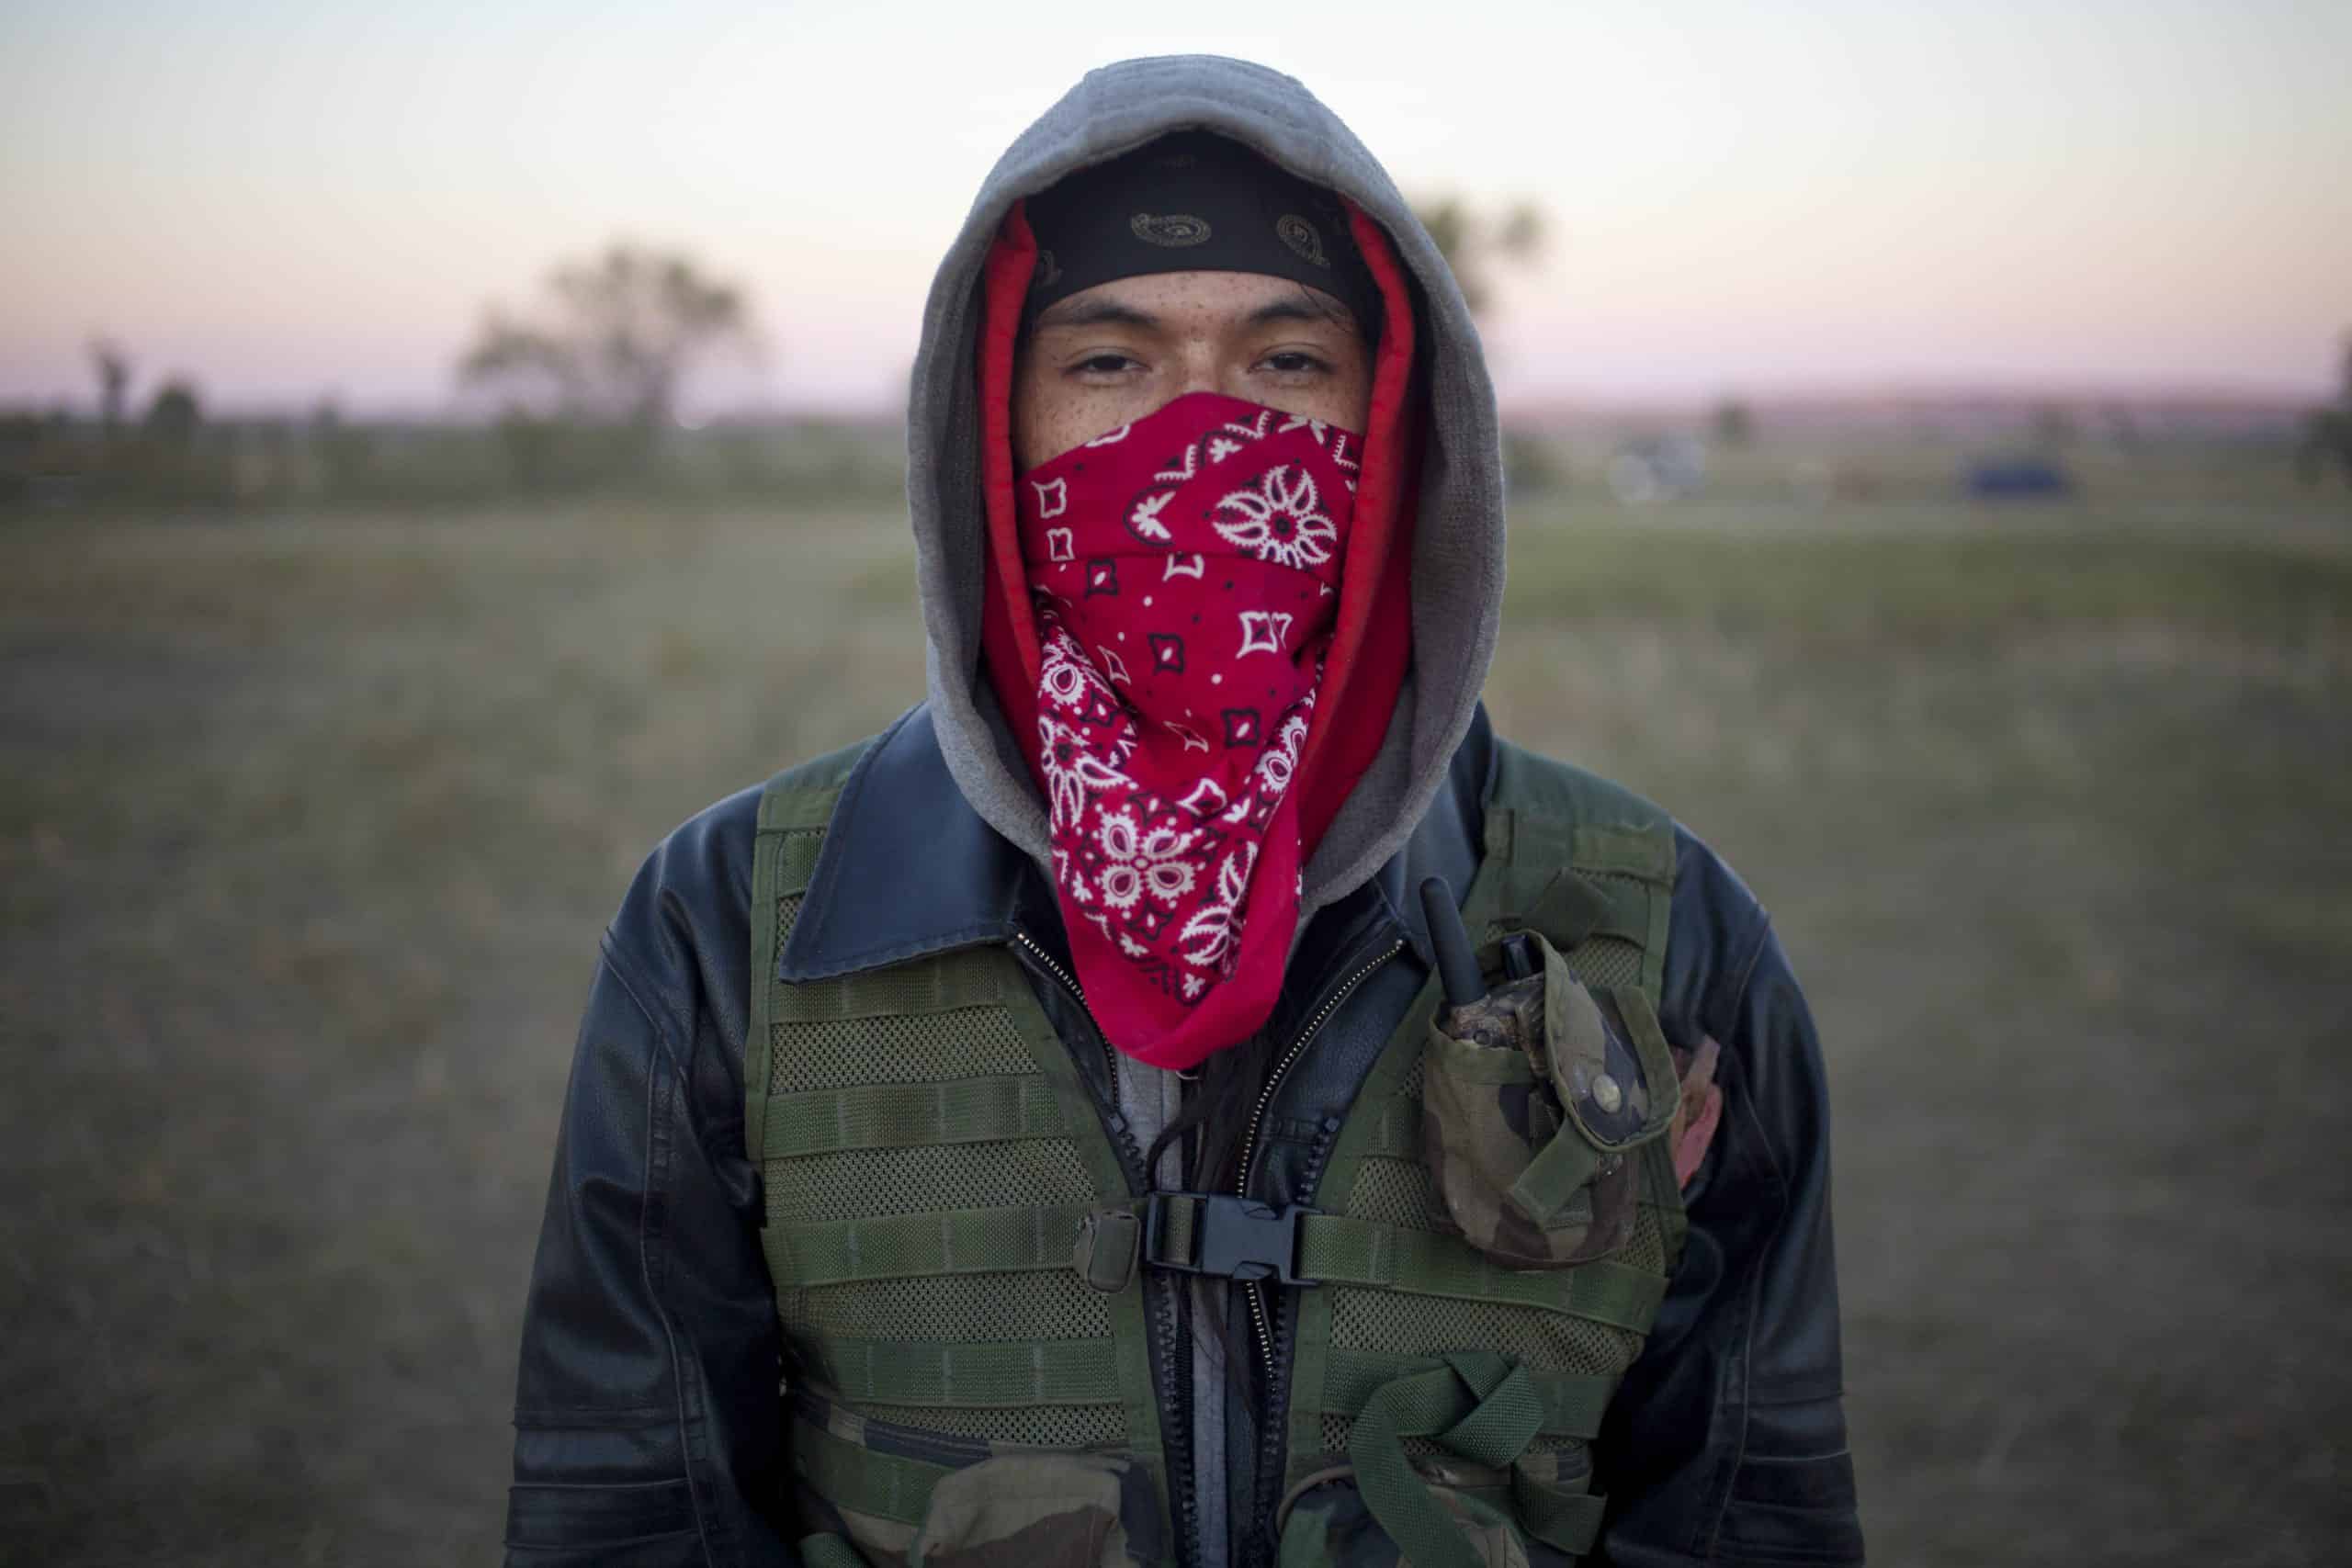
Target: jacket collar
909 869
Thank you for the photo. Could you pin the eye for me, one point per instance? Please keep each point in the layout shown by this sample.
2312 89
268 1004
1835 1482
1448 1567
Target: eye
1293 362
1105 364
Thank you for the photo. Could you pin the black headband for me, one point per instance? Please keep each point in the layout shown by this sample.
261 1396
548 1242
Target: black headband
1194 202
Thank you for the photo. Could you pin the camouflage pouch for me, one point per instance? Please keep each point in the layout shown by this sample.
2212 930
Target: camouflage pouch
1021 1509
1328 1527
1531 1101
873 1493
1539 1512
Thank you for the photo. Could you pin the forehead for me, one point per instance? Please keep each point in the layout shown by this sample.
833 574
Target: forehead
1192 301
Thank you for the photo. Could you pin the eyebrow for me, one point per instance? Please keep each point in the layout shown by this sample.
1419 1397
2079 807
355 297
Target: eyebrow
1292 309
1112 313
1096 313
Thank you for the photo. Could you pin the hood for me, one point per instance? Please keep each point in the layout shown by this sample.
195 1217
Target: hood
1457 551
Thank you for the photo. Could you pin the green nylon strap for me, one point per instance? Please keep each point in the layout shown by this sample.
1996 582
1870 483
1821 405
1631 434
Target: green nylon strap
1363 1252
1348 1251
946 982
1573 1402
794 808
1479 1405
1555 1176
1611 830
995 1374
1645 851
1571 909
1306 1541
796 859
829 1551
1556 1516
900 1247
901 1115
1564 905
1179 1218
803 796
1395 1132
860 1480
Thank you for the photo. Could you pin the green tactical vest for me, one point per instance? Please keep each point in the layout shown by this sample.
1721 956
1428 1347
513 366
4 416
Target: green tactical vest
967 1384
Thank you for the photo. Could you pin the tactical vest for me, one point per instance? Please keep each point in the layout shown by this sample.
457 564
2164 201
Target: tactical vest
968 1374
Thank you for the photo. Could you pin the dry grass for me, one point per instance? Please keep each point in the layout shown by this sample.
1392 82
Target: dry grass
307 827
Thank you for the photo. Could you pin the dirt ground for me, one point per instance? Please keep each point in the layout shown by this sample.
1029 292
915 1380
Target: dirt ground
307 827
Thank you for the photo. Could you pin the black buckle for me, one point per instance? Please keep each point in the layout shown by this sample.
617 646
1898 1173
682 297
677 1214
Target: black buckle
1240 1237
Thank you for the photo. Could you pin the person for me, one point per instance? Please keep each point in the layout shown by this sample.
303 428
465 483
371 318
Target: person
1038 1133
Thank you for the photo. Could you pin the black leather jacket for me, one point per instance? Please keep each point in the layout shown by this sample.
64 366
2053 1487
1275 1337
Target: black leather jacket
647 1419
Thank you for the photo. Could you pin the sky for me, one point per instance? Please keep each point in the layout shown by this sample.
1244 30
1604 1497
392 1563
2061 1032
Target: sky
292 201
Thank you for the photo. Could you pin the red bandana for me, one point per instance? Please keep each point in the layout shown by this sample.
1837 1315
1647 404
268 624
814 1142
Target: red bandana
1337 672
1185 573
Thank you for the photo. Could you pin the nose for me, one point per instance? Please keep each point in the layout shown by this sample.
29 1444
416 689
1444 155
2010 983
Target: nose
1201 370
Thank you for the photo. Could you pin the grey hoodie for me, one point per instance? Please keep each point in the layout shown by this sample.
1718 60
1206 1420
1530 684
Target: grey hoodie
1458 535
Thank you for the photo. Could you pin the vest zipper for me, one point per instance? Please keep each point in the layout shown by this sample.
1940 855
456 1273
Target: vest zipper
1270 1427
1290 1059
1162 1295
1070 982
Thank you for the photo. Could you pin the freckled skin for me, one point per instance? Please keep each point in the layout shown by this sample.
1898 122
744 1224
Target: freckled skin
1197 331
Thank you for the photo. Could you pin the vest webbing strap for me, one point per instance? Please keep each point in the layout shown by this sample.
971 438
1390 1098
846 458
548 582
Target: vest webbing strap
900 1246
1569 1520
878 1116
828 1551
1571 1404
863 1480
946 982
1396 1131
995 1375
1347 1251
1364 1252
1478 1405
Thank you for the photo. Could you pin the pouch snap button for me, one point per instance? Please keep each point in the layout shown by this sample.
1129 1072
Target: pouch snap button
1606 1094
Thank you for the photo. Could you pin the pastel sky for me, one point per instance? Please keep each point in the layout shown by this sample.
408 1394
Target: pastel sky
290 200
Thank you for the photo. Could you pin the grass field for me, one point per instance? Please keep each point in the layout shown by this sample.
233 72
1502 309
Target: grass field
308 827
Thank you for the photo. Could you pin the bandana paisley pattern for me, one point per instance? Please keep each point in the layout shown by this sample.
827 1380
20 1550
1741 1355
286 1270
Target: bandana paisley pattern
1184 571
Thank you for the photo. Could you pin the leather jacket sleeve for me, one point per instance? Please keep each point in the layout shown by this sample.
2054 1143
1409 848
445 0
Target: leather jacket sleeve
645 1411
1727 1440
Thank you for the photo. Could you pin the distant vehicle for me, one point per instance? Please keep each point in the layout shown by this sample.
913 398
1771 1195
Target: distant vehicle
1652 468
2016 478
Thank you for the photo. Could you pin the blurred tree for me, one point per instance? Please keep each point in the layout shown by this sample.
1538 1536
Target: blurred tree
113 367
1474 243
2326 443
174 417
165 459
623 332
1734 425
342 451
2327 432
533 448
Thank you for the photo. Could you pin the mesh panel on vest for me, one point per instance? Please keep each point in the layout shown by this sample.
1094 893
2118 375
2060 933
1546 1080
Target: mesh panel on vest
917 1048
1397 1192
864 1183
1608 960
1337 1428
1646 1244
896 1047
1398 1324
1045 1425
976 1307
